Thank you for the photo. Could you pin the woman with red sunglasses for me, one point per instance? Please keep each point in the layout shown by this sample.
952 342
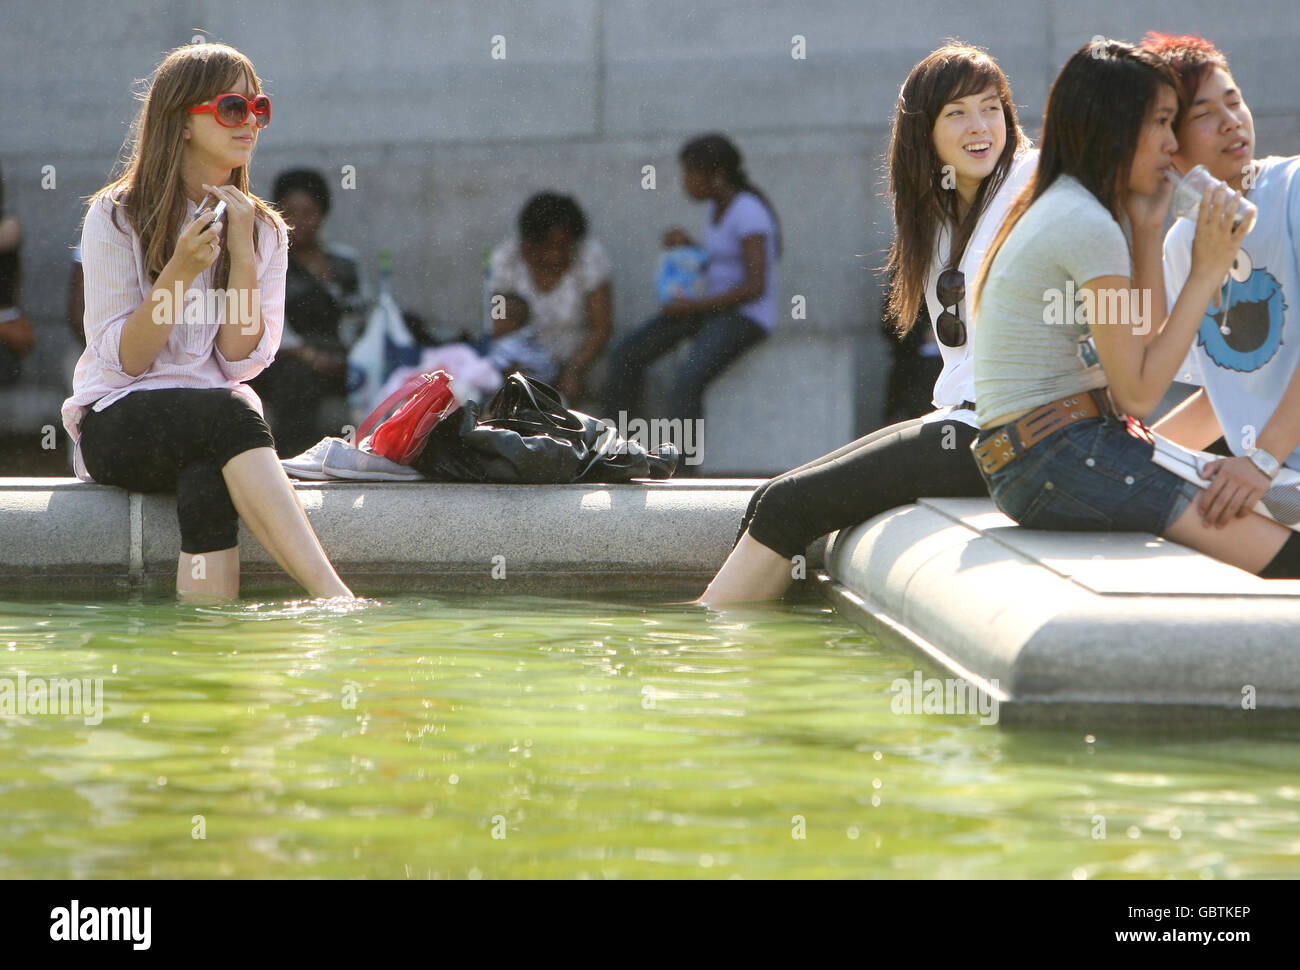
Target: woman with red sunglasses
182 308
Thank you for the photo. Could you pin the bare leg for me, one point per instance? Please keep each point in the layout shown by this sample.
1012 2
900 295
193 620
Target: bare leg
207 577
1249 542
751 572
269 507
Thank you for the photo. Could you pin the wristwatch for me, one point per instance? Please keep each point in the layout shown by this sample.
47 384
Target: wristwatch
1265 462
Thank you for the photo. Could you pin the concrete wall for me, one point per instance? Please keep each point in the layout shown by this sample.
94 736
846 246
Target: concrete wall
447 142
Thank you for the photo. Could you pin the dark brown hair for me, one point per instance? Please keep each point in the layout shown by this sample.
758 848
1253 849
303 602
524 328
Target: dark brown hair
921 204
1094 117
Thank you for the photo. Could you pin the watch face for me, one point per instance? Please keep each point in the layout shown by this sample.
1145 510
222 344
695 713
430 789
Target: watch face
1265 462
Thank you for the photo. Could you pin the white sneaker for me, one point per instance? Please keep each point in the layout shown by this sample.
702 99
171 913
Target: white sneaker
344 461
310 464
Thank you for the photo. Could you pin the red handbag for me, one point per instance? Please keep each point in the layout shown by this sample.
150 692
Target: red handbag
425 399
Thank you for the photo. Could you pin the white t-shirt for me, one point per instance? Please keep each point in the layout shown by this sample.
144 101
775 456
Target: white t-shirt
1242 353
559 316
956 383
746 215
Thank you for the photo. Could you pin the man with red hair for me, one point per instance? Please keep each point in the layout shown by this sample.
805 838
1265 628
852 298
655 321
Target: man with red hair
1251 391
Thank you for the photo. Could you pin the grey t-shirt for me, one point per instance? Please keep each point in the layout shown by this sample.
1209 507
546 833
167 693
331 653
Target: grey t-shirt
1030 337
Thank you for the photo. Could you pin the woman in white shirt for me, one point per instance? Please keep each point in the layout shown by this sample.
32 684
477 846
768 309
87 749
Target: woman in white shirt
555 266
179 313
957 156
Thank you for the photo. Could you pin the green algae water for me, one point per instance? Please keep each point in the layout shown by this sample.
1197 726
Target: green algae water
504 737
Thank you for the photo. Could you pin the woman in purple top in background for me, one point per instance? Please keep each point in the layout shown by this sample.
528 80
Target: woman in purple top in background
738 309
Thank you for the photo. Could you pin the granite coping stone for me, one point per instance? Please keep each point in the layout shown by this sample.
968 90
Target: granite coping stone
59 531
1072 626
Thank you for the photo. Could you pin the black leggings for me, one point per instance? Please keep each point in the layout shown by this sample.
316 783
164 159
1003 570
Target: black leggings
891 467
177 440
11 366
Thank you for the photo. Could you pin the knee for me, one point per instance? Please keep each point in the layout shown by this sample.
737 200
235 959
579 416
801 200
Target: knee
756 498
781 499
237 427
778 516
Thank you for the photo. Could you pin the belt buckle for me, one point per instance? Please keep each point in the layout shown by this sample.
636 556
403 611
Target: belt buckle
1003 453
1101 398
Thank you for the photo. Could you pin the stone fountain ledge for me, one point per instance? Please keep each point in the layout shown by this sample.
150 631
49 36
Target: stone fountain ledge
60 533
1069 626
1066 627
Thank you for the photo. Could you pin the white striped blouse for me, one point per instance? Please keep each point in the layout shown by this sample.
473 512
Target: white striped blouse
116 283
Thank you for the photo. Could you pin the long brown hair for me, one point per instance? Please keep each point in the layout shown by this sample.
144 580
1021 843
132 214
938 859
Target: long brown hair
921 204
149 191
1094 117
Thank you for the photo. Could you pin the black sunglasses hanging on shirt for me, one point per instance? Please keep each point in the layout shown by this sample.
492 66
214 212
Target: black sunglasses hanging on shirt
951 290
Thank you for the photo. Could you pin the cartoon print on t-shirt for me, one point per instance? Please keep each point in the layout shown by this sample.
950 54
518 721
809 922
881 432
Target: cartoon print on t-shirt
1246 331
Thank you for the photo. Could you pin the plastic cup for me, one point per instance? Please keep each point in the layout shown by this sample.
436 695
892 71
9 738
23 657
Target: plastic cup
1189 188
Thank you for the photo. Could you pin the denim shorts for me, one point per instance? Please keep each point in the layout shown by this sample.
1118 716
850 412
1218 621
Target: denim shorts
1092 475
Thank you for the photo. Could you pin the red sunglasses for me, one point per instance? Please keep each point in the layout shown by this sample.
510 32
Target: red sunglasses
231 110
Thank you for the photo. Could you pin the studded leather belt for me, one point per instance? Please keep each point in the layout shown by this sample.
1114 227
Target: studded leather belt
1014 438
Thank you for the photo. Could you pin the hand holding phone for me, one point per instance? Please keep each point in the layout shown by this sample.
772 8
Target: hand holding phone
200 241
216 213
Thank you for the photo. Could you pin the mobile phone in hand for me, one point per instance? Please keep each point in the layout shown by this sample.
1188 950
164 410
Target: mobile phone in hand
216 213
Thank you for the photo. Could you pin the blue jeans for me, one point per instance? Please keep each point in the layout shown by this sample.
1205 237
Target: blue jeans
1093 475
718 341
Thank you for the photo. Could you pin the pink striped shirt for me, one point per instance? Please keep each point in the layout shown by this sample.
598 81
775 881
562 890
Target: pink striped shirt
116 283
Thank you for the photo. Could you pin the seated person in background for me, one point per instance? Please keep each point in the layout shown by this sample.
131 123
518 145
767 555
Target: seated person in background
563 275
321 286
16 337
738 308
514 345
1250 370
